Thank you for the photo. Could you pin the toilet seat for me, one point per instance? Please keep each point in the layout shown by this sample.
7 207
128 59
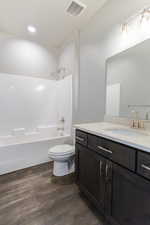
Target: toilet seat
62 150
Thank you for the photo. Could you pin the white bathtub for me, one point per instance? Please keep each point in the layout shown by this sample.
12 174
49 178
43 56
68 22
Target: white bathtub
22 151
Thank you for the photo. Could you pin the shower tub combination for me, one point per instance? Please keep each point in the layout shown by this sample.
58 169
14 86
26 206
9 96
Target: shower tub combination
27 149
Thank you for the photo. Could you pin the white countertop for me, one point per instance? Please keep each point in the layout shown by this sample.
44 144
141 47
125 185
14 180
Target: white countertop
140 140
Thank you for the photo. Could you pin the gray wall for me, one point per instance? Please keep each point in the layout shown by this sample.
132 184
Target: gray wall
23 57
101 39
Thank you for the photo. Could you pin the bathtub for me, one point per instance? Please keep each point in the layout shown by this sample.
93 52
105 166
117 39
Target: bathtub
28 149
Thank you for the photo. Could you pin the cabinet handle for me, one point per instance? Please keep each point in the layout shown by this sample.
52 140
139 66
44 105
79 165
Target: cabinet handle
80 139
145 167
104 149
106 170
100 165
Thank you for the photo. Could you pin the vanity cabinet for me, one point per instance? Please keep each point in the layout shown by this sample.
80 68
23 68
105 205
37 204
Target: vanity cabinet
91 178
113 178
114 151
130 198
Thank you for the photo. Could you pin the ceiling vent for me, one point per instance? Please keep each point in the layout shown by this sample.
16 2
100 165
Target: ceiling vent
76 8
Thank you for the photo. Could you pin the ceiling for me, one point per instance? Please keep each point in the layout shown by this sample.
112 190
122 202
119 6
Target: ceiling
52 21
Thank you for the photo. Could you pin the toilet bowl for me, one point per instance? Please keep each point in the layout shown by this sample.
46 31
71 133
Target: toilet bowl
63 157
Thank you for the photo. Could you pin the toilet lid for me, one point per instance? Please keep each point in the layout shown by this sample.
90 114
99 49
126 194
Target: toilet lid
62 149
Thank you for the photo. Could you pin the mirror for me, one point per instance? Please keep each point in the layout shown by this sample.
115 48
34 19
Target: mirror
128 82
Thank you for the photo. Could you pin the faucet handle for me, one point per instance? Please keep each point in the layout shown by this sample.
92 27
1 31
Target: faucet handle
141 124
132 124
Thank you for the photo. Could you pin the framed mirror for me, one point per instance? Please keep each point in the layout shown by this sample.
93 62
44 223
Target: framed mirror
128 82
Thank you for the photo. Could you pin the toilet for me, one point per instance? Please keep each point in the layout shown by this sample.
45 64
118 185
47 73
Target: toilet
63 157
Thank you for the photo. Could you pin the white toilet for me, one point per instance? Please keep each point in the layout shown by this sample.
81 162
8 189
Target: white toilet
63 157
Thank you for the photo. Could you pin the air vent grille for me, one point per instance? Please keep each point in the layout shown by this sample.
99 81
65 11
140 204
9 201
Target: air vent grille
75 8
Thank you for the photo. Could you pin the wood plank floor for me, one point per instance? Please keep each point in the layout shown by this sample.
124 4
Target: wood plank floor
29 197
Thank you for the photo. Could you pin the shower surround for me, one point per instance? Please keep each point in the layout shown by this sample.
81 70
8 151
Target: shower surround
30 114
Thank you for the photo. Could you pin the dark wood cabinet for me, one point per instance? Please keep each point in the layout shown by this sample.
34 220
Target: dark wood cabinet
130 198
91 178
81 137
143 164
108 187
116 152
115 178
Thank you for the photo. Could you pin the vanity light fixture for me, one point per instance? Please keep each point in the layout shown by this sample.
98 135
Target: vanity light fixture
142 16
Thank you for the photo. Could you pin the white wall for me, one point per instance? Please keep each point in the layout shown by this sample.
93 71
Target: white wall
27 101
23 57
69 59
31 102
101 39
64 102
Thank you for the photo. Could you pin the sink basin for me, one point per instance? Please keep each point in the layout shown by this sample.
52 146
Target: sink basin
127 132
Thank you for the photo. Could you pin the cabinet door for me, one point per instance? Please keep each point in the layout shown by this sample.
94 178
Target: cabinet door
91 170
130 198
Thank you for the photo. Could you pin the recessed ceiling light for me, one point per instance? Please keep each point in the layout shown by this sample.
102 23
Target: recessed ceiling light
31 29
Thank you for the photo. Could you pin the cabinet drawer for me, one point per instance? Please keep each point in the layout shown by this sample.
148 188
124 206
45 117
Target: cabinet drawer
81 137
100 145
118 153
124 155
143 167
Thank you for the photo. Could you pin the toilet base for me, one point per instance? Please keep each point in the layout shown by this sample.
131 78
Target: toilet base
63 180
63 168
